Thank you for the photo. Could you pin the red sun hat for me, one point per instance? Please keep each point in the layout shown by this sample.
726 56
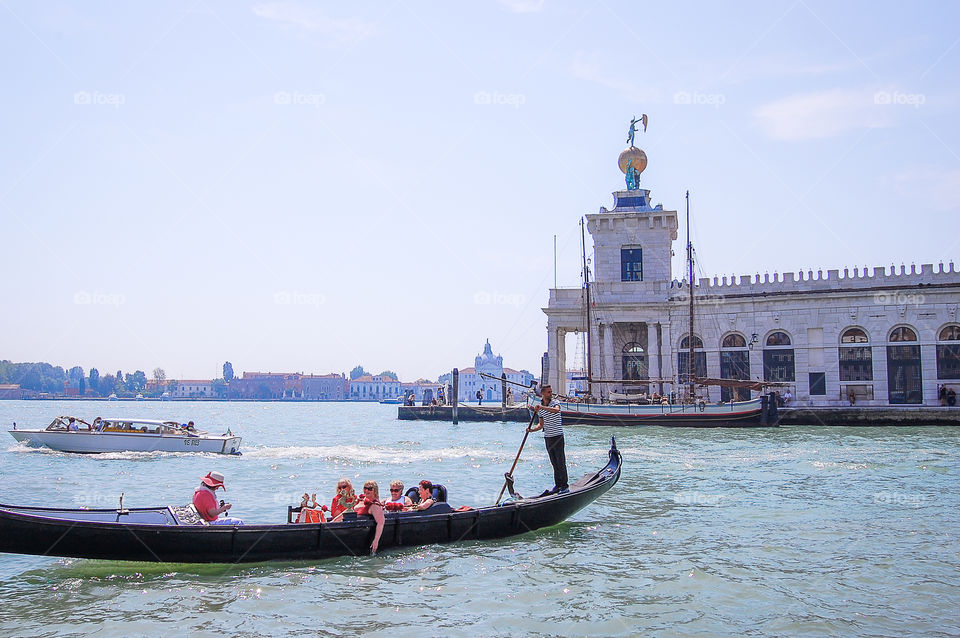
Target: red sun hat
213 480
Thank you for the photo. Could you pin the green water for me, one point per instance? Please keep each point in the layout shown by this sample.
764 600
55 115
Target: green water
789 531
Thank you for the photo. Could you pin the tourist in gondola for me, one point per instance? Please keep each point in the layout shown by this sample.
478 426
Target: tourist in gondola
205 500
398 500
344 499
426 496
551 422
369 505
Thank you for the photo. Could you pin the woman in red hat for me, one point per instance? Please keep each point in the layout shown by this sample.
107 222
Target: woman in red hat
205 500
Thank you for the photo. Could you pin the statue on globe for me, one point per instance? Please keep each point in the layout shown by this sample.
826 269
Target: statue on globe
633 177
633 127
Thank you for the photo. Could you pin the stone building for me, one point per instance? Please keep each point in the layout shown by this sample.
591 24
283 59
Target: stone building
374 387
487 363
325 387
877 336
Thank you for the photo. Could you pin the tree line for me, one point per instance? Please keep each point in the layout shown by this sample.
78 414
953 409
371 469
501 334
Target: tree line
50 379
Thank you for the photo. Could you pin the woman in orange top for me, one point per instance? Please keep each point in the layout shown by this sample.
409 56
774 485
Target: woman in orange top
344 499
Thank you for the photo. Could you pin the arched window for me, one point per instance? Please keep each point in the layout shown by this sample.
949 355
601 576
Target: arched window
734 364
634 362
778 339
683 359
854 335
734 341
904 372
856 359
778 358
948 353
903 333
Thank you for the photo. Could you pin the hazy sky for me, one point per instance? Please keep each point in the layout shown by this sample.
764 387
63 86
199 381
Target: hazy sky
297 186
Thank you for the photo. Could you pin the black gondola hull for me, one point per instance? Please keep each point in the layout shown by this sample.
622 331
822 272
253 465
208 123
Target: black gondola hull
49 532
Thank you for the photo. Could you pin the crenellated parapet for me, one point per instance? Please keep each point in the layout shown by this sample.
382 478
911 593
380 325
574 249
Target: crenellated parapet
850 279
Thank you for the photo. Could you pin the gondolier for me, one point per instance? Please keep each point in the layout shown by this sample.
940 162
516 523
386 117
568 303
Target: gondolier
551 422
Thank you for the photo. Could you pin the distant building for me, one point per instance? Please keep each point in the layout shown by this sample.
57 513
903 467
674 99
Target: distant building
487 363
325 387
266 386
192 389
374 388
10 391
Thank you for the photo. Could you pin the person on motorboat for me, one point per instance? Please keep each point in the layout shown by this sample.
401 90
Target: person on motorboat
344 499
97 424
397 501
426 496
551 422
205 500
72 425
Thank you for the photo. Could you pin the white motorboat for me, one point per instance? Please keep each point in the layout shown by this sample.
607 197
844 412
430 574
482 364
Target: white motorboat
70 434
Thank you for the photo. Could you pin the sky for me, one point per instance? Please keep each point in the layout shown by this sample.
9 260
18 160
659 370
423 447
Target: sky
297 186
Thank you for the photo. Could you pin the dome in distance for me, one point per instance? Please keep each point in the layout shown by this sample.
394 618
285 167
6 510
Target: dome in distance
633 153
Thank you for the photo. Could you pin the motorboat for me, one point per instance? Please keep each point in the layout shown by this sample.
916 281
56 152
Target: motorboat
72 434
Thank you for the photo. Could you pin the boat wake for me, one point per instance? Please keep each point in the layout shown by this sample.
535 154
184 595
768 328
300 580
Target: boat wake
367 454
22 448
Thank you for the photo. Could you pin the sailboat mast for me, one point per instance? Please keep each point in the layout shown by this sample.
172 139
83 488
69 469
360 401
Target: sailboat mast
690 280
586 284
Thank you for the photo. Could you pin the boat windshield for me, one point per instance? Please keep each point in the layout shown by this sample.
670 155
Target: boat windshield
61 423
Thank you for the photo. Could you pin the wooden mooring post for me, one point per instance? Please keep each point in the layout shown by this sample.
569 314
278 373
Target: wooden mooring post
503 391
455 396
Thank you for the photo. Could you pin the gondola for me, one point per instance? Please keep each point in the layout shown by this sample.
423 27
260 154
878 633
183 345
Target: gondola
161 534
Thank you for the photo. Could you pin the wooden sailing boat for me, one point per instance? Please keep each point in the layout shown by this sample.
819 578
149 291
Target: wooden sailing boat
685 410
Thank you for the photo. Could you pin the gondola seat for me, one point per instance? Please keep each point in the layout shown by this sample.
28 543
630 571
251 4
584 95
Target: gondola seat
439 494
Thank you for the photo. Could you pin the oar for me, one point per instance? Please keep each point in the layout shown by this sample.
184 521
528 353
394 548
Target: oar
509 474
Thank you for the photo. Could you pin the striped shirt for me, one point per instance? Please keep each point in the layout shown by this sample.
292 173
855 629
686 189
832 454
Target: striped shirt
552 421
